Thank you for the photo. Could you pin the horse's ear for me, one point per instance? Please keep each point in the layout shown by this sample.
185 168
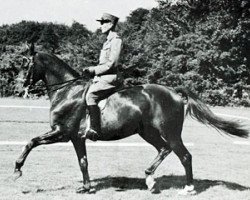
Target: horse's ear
32 49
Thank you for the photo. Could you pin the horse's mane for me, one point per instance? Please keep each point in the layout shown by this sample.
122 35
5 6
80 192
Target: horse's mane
59 62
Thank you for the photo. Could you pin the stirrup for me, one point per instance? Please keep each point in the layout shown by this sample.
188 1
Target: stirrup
91 134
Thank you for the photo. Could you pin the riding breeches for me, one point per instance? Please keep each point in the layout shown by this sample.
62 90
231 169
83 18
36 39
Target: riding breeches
98 91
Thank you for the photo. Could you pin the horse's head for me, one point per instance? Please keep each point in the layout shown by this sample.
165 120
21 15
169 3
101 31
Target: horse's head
47 67
34 73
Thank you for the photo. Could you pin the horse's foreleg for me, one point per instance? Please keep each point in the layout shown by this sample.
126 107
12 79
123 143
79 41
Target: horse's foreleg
153 137
47 138
157 161
150 170
80 148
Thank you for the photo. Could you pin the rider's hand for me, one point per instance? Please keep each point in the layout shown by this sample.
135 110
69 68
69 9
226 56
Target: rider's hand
88 72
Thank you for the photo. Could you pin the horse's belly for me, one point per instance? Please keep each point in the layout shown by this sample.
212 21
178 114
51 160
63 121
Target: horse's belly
118 126
114 135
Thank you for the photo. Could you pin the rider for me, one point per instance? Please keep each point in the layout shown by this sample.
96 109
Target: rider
106 74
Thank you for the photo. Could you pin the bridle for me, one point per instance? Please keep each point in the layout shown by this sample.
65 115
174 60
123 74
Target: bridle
49 88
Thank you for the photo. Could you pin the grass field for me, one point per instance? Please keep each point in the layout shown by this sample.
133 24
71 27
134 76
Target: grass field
220 163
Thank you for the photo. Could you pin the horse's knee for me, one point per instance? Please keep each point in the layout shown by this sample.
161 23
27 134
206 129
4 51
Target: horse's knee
31 144
164 152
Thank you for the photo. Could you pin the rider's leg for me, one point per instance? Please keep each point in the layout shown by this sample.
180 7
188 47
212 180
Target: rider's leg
94 132
96 92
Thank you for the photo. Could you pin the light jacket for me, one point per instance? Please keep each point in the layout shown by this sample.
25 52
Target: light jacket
107 69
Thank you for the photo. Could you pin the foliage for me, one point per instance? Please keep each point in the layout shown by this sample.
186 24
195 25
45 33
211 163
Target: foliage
200 44
49 39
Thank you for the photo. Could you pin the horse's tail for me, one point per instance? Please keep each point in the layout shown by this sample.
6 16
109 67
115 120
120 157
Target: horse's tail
198 110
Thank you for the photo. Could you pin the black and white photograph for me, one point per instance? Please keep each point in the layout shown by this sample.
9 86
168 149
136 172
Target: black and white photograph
124 99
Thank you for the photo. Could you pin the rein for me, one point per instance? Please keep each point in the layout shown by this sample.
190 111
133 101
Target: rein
62 85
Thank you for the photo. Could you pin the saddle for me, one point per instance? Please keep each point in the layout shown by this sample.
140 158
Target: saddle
102 103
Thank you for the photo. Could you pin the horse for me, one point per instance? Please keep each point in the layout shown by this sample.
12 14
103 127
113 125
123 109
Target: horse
155 112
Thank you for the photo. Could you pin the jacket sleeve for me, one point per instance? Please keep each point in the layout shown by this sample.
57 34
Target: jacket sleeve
112 60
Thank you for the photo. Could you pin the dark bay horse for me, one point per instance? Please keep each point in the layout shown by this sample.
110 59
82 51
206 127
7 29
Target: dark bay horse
154 112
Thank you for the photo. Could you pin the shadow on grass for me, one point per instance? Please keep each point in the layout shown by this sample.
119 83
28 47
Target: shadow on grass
164 183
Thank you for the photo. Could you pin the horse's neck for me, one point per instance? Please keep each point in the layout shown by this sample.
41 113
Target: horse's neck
52 79
57 81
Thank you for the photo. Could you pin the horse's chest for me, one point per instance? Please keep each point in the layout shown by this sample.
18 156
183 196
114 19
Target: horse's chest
67 113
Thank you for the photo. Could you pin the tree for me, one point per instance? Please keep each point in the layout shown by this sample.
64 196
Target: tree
78 33
49 39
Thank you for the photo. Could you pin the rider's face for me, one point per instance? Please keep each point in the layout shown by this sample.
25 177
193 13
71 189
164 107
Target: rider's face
106 26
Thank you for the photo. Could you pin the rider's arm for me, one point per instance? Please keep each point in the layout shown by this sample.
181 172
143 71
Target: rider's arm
112 60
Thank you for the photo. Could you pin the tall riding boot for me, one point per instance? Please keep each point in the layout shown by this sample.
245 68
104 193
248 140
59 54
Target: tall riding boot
95 123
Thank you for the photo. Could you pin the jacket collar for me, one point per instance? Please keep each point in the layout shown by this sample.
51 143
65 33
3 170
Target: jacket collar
111 35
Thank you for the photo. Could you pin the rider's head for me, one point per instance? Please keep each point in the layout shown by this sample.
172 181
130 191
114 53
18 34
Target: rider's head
108 22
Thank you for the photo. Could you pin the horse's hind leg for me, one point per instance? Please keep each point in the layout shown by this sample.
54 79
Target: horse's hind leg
186 160
47 138
153 137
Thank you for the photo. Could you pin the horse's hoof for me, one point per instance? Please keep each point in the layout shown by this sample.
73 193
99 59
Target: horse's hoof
150 182
84 190
155 190
92 191
16 175
188 190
